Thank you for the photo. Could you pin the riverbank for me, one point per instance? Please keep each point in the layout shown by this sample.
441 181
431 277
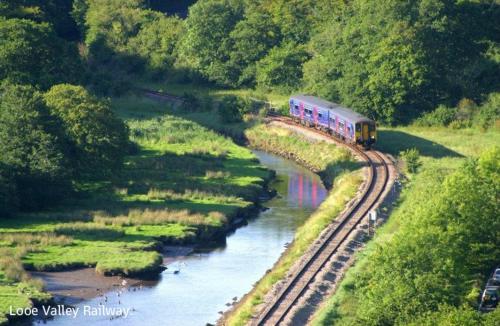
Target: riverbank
184 184
338 169
210 278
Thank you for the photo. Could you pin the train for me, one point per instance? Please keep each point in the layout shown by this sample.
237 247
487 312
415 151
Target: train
330 117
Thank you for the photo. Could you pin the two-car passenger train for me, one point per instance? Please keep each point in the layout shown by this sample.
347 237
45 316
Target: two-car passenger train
341 122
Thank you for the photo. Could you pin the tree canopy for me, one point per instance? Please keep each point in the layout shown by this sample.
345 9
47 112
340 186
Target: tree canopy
31 53
99 138
33 147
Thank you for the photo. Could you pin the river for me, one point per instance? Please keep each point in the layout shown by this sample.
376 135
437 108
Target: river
208 280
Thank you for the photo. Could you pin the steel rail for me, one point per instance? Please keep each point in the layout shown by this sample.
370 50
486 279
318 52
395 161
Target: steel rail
342 228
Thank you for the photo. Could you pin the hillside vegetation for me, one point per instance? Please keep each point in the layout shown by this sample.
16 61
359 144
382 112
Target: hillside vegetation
428 265
84 178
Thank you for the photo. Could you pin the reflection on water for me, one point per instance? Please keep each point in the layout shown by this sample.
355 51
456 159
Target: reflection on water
208 281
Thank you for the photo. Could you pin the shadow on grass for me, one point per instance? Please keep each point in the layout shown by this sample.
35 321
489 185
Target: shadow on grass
394 141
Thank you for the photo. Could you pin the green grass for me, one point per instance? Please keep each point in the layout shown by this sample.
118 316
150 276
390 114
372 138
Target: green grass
442 150
184 184
321 157
324 158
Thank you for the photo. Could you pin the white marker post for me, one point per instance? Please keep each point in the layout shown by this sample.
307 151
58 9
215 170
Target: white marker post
372 219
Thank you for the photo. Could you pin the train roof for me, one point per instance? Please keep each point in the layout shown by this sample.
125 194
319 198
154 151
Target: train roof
344 112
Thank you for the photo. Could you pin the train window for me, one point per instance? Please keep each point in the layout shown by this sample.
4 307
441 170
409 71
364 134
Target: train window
320 115
296 107
371 127
358 126
341 125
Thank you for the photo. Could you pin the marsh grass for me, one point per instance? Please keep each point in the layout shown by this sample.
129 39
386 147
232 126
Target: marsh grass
37 239
87 230
157 217
182 183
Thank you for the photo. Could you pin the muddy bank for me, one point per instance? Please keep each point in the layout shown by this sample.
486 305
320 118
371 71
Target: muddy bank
72 287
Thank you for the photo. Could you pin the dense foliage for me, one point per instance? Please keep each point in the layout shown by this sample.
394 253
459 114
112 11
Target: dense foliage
99 139
31 53
447 242
49 140
390 60
33 148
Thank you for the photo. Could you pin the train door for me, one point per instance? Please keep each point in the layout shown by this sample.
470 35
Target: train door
365 134
301 109
315 116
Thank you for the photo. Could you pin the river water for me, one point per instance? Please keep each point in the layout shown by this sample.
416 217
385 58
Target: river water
208 280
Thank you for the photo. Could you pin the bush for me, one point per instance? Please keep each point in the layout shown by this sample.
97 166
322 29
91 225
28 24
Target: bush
489 113
8 197
441 116
411 158
191 103
232 108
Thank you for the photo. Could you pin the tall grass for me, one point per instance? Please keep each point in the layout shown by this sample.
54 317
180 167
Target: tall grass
324 158
156 217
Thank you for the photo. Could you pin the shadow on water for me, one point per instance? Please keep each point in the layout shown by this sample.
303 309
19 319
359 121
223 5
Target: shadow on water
394 141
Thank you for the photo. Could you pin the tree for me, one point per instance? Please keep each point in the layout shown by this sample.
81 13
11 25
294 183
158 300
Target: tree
30 53
33 147
281 68
391 59
8 196
54 12
252 38
100 139
206 45
156 43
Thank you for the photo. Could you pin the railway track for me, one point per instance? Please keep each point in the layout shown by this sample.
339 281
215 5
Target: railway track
161 96
337 236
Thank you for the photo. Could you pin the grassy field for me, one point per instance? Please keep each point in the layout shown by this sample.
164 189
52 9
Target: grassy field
442 151
337 168
183 184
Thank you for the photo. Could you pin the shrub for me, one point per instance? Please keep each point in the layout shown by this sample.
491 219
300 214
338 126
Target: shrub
488 113
8 196
441 116
411 158
191 103
231 109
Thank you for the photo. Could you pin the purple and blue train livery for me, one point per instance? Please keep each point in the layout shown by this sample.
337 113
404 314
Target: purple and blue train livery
333 118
